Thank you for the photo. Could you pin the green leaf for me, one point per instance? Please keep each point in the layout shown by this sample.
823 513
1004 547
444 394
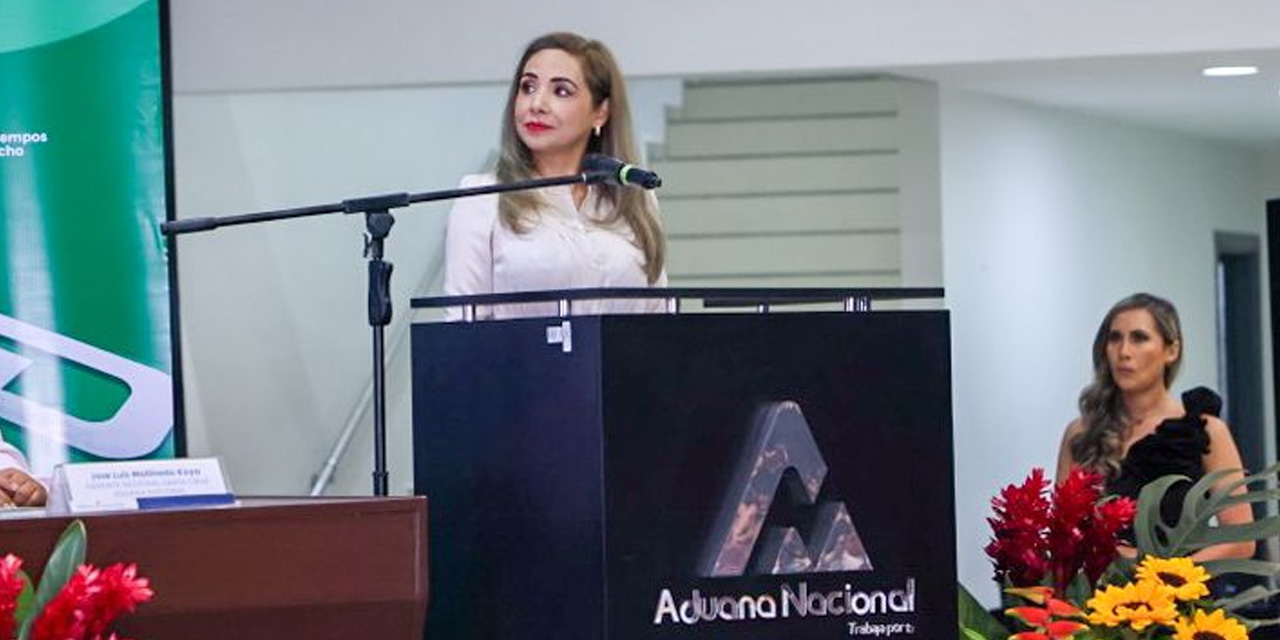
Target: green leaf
1252 496
1248 596
1247 531
1200 497
1147 519
976 620
1119 572
1252 624
1079 589
1261 568
25 598
68 554
1222 497
1194 529
1269 471
1247 480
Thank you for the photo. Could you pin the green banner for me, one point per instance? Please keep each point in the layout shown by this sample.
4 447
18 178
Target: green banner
85 353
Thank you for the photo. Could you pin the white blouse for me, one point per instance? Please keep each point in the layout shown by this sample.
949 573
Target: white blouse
564 248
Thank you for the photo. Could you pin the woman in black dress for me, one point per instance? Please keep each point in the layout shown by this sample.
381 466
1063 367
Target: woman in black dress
1132 430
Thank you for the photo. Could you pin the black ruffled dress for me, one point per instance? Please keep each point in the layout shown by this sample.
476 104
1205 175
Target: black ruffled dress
1178 446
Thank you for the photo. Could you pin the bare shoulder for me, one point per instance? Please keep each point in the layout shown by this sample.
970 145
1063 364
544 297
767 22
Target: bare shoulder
1065 459
1217 429
1074 428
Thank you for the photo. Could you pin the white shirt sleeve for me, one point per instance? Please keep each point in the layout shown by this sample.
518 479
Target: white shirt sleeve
468 249
12 458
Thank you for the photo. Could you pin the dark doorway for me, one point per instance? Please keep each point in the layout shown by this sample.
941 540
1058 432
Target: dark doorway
1239 310
1239 336
1273 295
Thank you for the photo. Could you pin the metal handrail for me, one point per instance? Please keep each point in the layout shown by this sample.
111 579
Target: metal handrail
759 298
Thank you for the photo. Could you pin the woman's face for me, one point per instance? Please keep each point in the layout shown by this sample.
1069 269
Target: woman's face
1136 351
554 111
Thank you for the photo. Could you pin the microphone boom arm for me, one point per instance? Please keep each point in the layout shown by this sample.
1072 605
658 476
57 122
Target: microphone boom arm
378 223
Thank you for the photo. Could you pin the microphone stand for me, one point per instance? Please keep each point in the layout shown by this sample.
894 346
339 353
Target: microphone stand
378 223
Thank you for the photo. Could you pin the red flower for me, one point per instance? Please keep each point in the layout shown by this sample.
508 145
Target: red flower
10 587
1073 504
1018 545
1083 531
1033 616
1029 635
1056 537
90 602
1064 628
63 617
1045 620
1110 518
1059 630
1062 609
1038 594
119 591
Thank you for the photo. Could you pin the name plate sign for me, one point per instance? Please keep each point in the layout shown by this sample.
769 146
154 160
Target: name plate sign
139 484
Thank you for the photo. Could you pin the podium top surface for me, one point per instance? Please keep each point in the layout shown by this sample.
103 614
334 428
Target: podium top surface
710 296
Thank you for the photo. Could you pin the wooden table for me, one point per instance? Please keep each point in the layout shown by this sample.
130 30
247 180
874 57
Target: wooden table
269 568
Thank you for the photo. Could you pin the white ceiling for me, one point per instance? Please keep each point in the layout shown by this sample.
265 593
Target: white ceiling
1163 91
1137 60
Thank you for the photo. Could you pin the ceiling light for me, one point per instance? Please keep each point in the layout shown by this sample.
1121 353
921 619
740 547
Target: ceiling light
1225 72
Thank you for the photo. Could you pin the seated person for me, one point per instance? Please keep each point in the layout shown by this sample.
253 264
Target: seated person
17 487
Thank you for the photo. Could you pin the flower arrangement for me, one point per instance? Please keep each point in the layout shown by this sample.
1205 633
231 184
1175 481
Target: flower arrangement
1167 599
74 601
1040 535
1055 551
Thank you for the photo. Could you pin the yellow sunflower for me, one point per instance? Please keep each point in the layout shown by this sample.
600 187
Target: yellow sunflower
1137 604
1212 626
1183 577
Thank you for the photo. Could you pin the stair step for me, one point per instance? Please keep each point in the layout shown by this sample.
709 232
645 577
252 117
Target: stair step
756 98
837 172
780 213
780 255
849 133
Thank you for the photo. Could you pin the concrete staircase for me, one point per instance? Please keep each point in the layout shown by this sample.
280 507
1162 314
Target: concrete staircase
796 182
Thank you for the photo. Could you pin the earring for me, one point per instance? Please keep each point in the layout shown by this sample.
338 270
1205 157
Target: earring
597 131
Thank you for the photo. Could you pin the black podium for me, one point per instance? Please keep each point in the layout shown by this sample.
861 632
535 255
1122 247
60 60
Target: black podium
729 475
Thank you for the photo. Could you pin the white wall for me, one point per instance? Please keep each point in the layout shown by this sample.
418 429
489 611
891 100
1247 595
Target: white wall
275 337
1271 174
1048 219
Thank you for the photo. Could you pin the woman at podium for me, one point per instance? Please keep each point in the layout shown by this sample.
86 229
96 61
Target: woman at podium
567 99
1132 430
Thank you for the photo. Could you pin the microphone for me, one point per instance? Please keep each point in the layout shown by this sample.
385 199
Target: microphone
615 171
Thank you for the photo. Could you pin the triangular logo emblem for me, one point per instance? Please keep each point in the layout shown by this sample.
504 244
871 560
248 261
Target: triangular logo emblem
780 440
